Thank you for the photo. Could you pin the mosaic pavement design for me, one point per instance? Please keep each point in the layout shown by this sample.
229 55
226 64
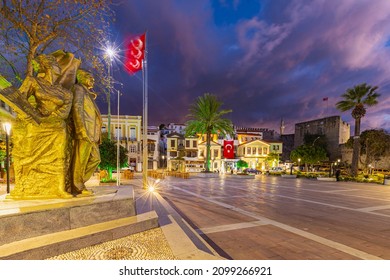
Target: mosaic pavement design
147 245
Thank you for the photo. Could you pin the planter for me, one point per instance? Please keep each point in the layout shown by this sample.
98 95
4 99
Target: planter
289 176
329 179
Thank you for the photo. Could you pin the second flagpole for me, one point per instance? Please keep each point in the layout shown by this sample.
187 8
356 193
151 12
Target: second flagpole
145 120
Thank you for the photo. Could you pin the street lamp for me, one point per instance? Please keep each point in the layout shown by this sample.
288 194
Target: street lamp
118 173
299 164
7 129
163 163
111 54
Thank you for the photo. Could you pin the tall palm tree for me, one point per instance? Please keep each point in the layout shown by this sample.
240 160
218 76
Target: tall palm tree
206 118
355 99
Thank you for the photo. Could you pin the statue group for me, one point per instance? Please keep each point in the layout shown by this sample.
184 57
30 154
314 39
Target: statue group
57 131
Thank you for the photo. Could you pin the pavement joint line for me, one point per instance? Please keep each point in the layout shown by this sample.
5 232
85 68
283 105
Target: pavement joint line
338 246
333 191
287 187
374 208
232 196
228 227
321 203
173 215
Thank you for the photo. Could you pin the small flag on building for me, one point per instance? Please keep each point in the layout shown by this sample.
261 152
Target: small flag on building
325 99
135 53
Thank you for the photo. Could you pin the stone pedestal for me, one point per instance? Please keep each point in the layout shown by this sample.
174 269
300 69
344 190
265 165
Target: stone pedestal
29 218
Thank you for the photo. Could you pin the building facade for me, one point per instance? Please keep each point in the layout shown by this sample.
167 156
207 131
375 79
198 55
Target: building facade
128 129
337 132
188 154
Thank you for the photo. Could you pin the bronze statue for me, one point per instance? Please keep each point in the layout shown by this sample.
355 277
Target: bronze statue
43 131
42 151
87 132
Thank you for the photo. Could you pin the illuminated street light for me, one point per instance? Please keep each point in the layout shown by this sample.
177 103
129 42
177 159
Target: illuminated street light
111 55
7 129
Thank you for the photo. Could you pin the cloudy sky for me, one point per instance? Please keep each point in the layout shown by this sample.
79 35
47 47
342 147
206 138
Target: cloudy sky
265 60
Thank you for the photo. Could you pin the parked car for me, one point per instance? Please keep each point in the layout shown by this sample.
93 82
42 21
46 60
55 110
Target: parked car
253 171
276 169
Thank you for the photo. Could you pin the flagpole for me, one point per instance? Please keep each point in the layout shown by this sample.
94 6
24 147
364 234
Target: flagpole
327 103
118 168
145 121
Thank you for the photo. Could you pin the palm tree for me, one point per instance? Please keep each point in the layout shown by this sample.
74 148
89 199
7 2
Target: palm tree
355 99
206 118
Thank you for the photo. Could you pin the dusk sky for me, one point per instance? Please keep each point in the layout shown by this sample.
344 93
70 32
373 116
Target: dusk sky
265 60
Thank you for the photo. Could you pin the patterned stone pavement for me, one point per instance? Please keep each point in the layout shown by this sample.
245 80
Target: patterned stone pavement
148 245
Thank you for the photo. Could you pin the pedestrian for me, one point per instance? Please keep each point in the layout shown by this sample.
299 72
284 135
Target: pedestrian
338 174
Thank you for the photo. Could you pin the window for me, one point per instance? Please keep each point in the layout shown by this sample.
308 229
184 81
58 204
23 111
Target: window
151 147
265 150
194 143
187 143
173 144
276 147
248 151
132 134
104 129
215 153
133 149
118 133
260 150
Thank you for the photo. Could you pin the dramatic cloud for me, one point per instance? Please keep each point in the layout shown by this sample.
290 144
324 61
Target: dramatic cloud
265 60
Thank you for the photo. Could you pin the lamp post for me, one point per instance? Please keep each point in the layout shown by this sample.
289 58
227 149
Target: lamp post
299 164
118 168
110 56
163 163
7 129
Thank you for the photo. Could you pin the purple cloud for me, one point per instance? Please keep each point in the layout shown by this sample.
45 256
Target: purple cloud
277 62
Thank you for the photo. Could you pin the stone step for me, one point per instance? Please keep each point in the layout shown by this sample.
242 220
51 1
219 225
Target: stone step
53 244
21 219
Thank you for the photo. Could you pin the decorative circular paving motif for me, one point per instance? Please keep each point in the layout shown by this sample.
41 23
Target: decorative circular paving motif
147 245
119 252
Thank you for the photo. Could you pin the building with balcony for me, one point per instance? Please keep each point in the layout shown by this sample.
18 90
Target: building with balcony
254 145
128 129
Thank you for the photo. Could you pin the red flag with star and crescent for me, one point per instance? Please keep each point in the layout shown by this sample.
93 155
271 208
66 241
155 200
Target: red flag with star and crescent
135 53
228 148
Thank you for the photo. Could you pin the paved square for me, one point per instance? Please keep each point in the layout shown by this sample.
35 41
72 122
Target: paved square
276 218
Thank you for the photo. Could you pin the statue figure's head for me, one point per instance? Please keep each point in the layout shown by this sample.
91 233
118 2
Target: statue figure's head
85 78
47 67
68 65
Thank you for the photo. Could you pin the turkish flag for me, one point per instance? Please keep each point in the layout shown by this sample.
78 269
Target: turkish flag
228 148
135 53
